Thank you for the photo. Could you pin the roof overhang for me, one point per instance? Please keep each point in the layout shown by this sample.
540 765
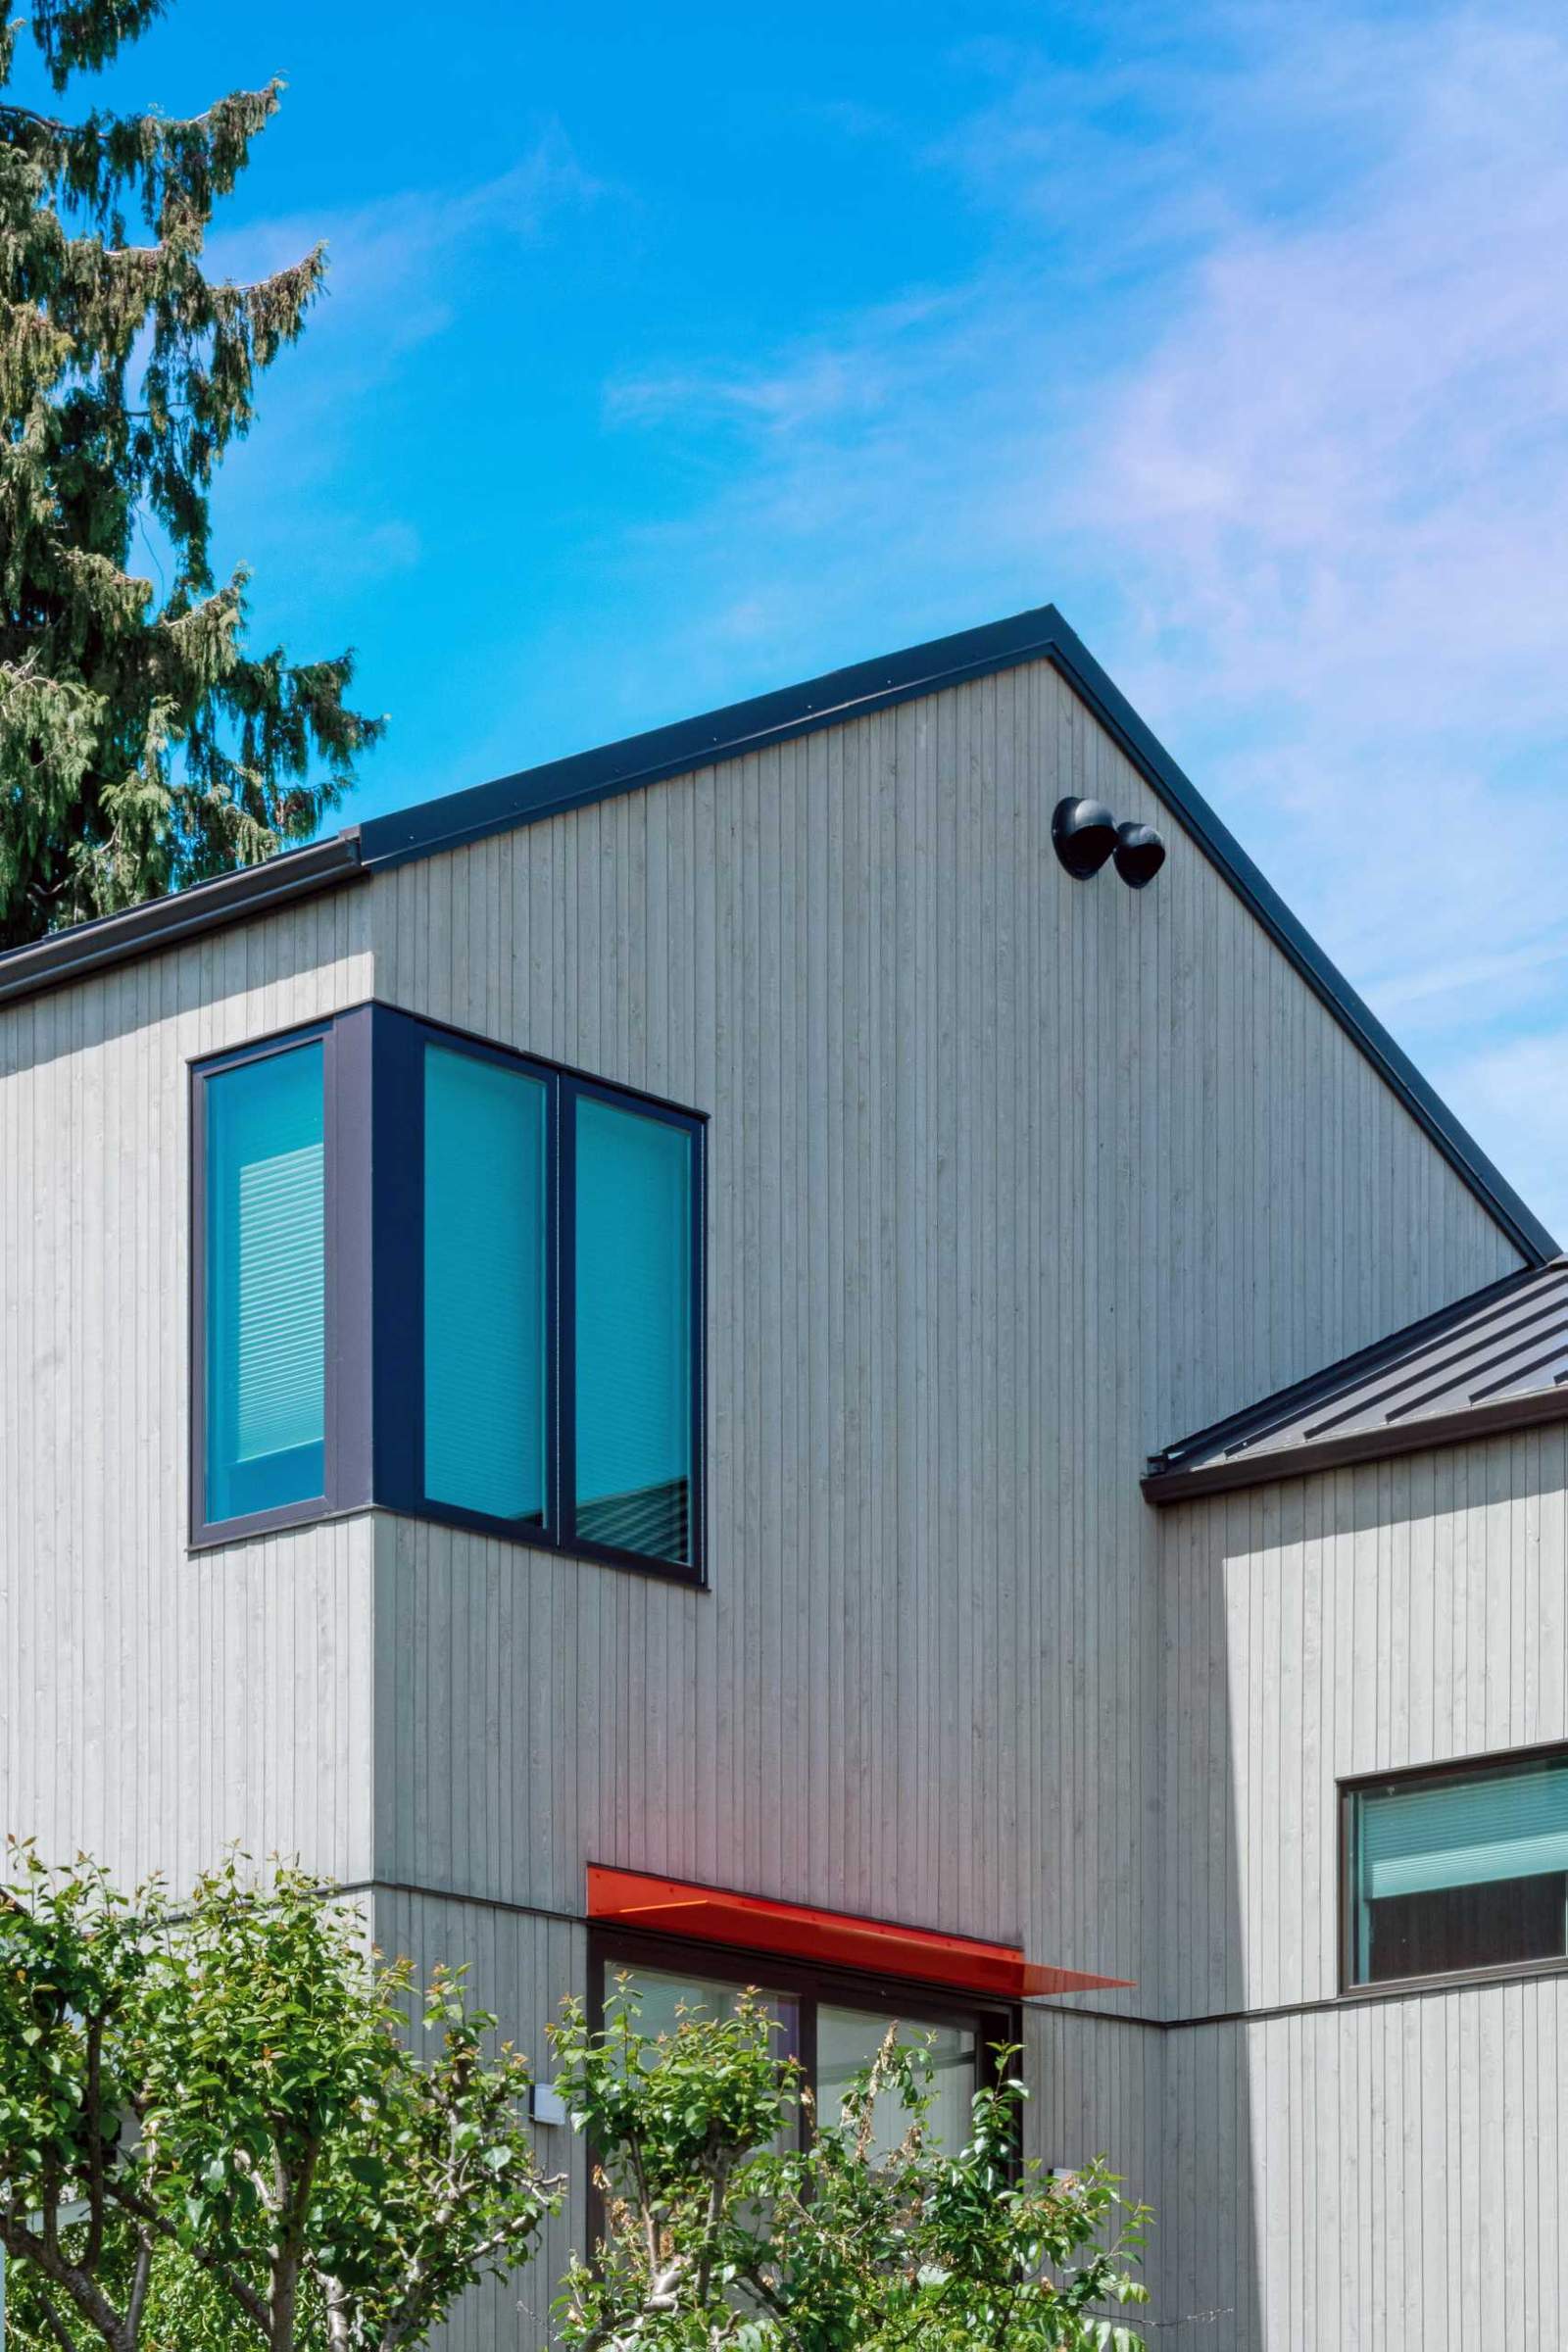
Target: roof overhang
754 1922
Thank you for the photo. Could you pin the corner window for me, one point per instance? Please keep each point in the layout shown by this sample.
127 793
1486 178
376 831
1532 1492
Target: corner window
449 1278
833 2025
1456 1870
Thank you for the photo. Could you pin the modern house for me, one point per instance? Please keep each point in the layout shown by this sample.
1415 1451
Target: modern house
610 1360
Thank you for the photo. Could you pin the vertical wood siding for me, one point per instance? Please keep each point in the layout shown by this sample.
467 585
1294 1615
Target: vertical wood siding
522 1968
1405 1612
1374 2178
1012 1180
1402 2159
1011 1177
155 1706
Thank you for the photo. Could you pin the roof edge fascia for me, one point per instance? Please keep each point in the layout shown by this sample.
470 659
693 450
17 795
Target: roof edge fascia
85 949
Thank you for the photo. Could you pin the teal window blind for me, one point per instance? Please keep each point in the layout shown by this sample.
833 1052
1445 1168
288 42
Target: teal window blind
484 1286
1463 1871
635 1343
266 1305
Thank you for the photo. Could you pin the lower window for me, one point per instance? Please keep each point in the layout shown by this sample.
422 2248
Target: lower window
1461 1869
833 2025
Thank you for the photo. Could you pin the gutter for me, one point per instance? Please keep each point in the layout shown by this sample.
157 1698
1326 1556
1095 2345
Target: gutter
116 939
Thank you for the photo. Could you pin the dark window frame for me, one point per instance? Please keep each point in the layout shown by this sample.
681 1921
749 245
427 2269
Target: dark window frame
374 1173
907 1999
344 1297
1497 1763
576 1087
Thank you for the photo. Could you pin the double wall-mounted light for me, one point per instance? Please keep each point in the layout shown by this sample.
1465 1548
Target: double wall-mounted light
1085 834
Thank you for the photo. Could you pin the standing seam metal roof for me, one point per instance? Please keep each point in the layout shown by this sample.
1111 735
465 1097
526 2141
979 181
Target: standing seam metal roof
1496 1361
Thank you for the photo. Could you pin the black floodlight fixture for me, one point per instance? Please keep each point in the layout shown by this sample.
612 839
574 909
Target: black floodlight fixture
1140 854
1084 835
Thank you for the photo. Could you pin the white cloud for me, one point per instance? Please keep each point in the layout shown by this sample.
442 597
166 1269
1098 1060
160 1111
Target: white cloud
1514 1096
399 274
1270 374
390 265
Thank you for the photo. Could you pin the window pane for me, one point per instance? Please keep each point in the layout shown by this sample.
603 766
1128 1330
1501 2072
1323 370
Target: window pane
265 1283
666 2001
1462 1872
848 2040
484 1286
634 1367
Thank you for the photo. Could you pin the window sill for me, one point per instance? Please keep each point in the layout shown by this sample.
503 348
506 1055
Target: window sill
1507 1972
234 1533
220 1535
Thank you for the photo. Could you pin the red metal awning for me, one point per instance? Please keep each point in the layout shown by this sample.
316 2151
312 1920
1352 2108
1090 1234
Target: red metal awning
752 1922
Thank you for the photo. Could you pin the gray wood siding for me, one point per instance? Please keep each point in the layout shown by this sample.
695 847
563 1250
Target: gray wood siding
155 1706
1011 1177
1400 2162
1372 2179
520 1969
1402 1613
1012 1180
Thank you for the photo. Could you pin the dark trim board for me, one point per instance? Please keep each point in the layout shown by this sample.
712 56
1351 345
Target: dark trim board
560 785
1187 803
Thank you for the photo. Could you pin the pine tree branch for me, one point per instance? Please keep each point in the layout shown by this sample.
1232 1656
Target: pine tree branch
11 111
98 125
144 745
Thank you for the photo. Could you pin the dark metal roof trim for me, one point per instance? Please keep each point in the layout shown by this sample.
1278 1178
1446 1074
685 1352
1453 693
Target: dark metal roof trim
781 716
1480 1365
560 785
1187 803
1272 1466
89 948
1284 1404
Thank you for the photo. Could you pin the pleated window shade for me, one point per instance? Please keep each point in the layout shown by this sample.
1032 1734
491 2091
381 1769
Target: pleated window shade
1462 1871
485 1246
1460 1832
265 1283
635 1343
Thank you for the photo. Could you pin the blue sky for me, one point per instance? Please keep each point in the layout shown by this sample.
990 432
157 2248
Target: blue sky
674 354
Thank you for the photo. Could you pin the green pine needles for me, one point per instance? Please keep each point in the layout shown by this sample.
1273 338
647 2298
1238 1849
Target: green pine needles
144 745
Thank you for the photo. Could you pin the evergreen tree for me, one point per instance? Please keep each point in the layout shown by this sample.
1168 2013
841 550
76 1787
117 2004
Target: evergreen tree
143 744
